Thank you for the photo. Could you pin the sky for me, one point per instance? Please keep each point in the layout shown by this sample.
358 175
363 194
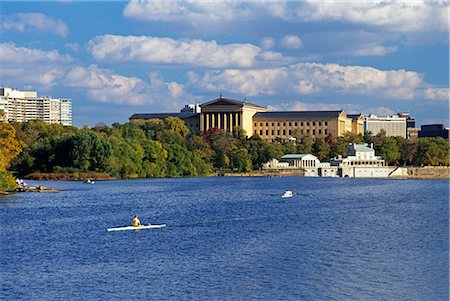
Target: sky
116 58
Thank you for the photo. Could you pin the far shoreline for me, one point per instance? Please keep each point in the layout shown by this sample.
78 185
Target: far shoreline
427 172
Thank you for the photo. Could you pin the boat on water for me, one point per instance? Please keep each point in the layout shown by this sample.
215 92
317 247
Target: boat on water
141 227
89 181
287 194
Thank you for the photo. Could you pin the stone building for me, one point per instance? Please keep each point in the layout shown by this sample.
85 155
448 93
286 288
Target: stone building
316 124
225 114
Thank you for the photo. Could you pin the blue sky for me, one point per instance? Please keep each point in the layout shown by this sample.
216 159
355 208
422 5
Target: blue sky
114 59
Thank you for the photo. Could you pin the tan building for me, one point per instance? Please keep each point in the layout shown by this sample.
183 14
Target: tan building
317 124
226 114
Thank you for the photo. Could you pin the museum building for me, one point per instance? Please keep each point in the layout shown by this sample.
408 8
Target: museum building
225 114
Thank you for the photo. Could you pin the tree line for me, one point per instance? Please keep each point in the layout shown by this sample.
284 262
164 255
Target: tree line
157 148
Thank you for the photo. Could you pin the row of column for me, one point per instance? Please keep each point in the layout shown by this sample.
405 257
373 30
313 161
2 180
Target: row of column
223 121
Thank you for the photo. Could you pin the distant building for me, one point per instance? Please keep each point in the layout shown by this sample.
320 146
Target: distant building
23 106
316 124
226 114
190 114
309 163
410 125
392 125
434 130
412 133
361 162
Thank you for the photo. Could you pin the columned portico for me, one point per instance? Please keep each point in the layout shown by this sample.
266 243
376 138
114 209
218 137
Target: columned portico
226 114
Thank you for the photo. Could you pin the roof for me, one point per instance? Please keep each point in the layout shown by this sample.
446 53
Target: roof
299 113
227 101
147 116
362 148
355 116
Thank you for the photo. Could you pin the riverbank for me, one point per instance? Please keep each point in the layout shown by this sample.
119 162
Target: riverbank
77 176
426 172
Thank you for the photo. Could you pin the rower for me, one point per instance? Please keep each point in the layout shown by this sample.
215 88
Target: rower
136 222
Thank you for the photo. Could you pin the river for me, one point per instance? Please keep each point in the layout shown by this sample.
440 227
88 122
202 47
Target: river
228 238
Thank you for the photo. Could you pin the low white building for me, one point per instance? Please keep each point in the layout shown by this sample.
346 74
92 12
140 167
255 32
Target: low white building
307 162
361 162
275 164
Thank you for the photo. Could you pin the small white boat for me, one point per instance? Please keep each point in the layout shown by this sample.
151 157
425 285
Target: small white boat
90 181
136 227
287 194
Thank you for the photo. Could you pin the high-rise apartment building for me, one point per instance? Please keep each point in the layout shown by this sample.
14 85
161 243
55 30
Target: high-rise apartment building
23 106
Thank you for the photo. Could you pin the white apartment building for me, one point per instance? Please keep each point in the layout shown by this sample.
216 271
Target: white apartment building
23 106
393 125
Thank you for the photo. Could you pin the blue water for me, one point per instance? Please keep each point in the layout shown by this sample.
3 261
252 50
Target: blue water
228 239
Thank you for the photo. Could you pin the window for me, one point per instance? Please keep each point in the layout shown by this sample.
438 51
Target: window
255 124
260 124
278 132
326 132
267 132
260 132
307 131
301 123
307 123
314 123
320 132
289 124
272 124
320 123
255 132
267 124
290 132
272 132
314 132
325 123
278 124
284 123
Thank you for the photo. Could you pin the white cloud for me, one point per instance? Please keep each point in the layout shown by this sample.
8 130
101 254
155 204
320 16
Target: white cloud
311 78
195 12
106 86
397 16
246 82
437 94
291 42
170 51
25 22
25 66
267 43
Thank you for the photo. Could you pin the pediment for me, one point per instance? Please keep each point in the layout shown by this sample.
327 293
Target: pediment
222 102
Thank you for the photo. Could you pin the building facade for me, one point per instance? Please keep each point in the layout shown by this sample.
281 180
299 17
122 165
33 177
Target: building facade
225 114
392 125
434 130
317 124
22 106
